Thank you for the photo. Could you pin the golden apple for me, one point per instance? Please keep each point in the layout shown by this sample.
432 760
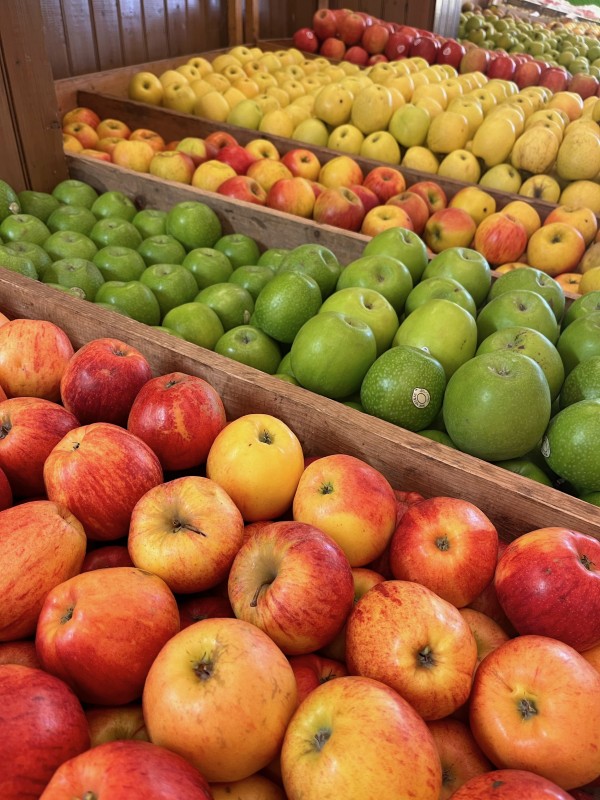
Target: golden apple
503 177
447 132
475 201
525 213
421 159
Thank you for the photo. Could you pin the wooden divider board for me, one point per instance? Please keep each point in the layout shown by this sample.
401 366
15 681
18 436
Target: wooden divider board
409 461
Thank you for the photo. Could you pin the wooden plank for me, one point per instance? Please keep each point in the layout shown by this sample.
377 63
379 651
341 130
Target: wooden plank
131 21
106 22
252 22
156 31
79 36
235 22
29 89
13 169
262 224
409 461
54 33
176 20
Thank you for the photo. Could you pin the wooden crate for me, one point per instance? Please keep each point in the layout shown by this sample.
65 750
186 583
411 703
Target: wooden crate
409 461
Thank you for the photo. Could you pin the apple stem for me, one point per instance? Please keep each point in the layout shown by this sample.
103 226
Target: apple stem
254 601
203 670
527 708
170 384
68 615
425 657
76 445
5 429
185 526
326 488
321 738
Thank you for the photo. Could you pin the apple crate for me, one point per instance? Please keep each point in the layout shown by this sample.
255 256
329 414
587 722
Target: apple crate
409 461
106 94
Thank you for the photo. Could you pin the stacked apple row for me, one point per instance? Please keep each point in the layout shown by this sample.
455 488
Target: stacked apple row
427 118
367 332
312 611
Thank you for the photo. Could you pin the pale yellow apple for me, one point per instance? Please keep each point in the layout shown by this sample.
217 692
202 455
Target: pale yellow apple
381 146
264 80
525 102
513 113
419 78
241 53
582 193
578 155
590 281
218 81
233 96
404 84
434 75
296 113
171 76
280 95
285 57
306 101
257 52
296 55
293 88
591 258
246 85
146 88
535 151
503 177
179 97
71 144
453 88
382 73
346 139
222 60
372 109
212 106
421 159
461 165
475 201
448 131
498 89
588 106
200 87
335 72
542 187
309 66
470 109
271 61
211 174
333 104
484 97
582 122
494 140
409 125
551 125
349 68
247 114
525 213
276 122
534 98
435 91
188 71
233 72
262 148
397 98
202 64
418 63
311 83
430 105
294 72
311 131
546 114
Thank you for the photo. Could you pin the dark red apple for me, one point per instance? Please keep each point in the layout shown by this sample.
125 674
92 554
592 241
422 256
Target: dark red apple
237 157
368 197
357 55
324 23
242 187
351 28
451 52
398 45
340 207
306 39
193 609
425 47
503 67
584 85
555 78
111 555
527 73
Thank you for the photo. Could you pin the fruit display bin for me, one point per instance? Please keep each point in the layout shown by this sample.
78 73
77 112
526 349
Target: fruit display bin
411 462
106 94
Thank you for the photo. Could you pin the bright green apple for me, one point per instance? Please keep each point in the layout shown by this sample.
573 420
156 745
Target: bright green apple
580 340
131 298
114 204
252 277
71 272
402 244
75 193
117 232
517 307
241 250
536 281
466 266
371 307
387 275
71 218
232 303
119 263
194 224
39 204
69 244
251 346
150 222
208 266
317 261
161 249
172 285
197 323
586 304
443 288
285 303
23 228
32 252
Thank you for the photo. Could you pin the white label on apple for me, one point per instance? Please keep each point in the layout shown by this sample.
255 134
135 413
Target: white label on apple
420 398
545 448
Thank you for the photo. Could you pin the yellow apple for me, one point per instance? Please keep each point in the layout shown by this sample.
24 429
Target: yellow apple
453 88
145 87
448 131
266 102
267 172
246 86
409 125
133 154
542 187
264 80
242 53
346 139
280 95
494 140
579 155
188 71
404 84
381 146
475 201
293 88
179 97
570 102
211 174
233 72
421 159
590 281
372 109
430 105
333 104
222 60
503 177
170 75
297 114
461 165
246 114
200 87
579 217
484 97
582 193
233 96
470 109
217 81
202 64
311 131
262 148
212 105
276 122
555 248
433 90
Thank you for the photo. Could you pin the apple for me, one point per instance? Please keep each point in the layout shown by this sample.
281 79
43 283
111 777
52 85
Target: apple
187 531
84 133
476 59
448 228
133 154
101 614
432 193
385 182
19 651
145 87
113 128
102 379
151 137
452 52
466 266
112 555
172 165
503 67
332 47
554 78
205 606
579 217
339 206
248 678
302 163
384 217
583 84
382 639
209 175
305 39
118 769
403 244
261 149
260 592
81 114
522 582
459 754
351 28
44 725
425 47
267 172
292 195
549 676
527 73
33 357
238 157
100 471
488 634
385 274
500 238
414 206
6 495
324 23
513 784
527 277
340 171
397 755
367 196
375 39
448 545
330 487
242 187
116 722
313 670
346 138
42 545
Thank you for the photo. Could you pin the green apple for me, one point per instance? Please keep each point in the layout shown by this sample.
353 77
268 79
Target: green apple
536 281
286 302
443 329
24 228
580 340
371 307
72 192
531 343
409 125
570 445
517 307
131 298
466 266
39 204
150 222
251 346
586 304
247 113
285 365
71 218
385 274
441 437
240 249
252 277
193 224
402 244
311 131
172 285
232 303
582 383
332 353
17 263
69 244
443 288
208 266
272 257
497 406
71 272
197 323
119 263
73 291
32 252
317 261
526 468
404 386
116 232
170 331
161 249
114 204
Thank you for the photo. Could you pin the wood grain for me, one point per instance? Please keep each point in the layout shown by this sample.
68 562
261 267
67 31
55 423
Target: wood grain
409 461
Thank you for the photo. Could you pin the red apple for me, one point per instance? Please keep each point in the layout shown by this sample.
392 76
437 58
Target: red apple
398 45
375 38
29 429
116 722
339 206
448 545
120 770
414 205
378 58
102 379
367 196
293 196
503 67
305 39
449 227
357 55
179 417
100 471
476 59
42 544
324 23
218 139
42 724
488 634
584 85
154 139
425 47
195 148
385 182
293 582
19 651
527 74
500 238
241 187
384 217
194 609
351 28
487 602
84 133
238 157
95 632
113 127
451 52
302 163
554 78
311 670
332 48
510 784
548 584
432 193
459 753
81 114
33 356
112 555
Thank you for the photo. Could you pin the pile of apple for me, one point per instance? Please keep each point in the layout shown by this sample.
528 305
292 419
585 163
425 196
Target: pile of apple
193 608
